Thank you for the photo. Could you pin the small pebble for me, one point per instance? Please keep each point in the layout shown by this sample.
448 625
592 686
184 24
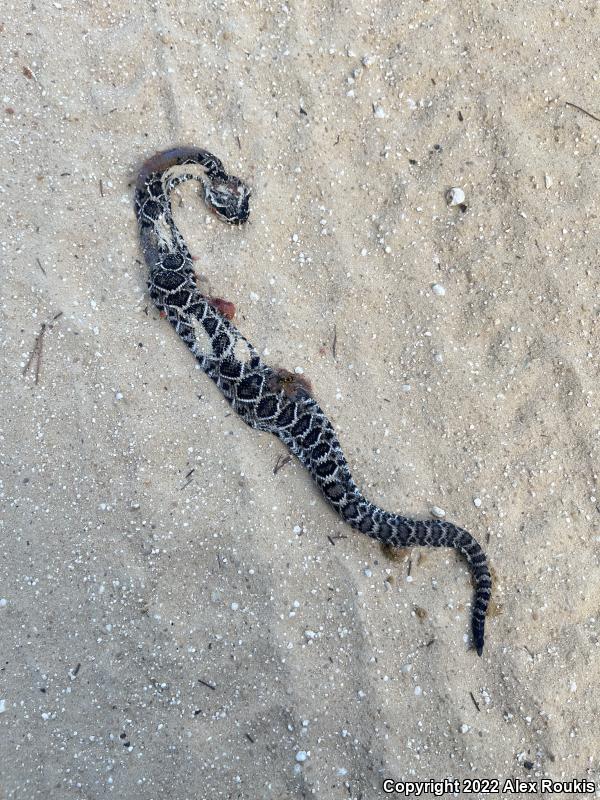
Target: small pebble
296 529
341 772
464 728
477 502
438 512
368 573
418 691
310 634
3 602
438 289
406 387
368 60
301 756
379 112
455 196
548 181
2 706
298 370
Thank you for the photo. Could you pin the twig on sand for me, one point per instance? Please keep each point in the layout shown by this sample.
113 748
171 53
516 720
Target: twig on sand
334 345
579 108
207 684
37 348
280 463
188 479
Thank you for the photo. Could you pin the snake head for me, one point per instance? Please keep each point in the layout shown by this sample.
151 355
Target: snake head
229 199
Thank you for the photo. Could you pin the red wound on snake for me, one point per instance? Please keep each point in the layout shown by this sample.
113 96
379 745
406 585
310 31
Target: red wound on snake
224 307
291 384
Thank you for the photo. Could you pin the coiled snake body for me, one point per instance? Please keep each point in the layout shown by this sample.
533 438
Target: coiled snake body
266 398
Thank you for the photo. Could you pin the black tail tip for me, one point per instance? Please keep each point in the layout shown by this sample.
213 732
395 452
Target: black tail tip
478 639
478 635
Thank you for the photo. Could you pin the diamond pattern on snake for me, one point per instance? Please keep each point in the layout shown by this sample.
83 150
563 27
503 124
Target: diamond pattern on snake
265 397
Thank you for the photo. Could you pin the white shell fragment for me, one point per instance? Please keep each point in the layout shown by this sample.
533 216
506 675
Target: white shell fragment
438 512
548 181
301 756
455 196
438 289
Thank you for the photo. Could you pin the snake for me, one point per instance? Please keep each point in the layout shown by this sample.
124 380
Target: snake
268 398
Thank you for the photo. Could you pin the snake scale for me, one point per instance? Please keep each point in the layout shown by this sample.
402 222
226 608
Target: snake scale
267 398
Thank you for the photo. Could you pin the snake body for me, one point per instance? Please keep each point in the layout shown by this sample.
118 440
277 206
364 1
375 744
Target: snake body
267 398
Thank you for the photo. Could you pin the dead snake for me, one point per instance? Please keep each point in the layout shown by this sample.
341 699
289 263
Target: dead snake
267 398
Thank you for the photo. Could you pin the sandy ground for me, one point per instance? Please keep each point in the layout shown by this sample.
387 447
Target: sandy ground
177 621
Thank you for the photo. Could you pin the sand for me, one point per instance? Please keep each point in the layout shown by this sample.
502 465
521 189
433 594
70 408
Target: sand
179 621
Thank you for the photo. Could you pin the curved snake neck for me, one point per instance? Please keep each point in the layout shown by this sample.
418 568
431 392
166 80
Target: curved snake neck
266 398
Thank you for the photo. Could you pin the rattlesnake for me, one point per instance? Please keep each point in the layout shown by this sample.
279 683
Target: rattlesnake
266 398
